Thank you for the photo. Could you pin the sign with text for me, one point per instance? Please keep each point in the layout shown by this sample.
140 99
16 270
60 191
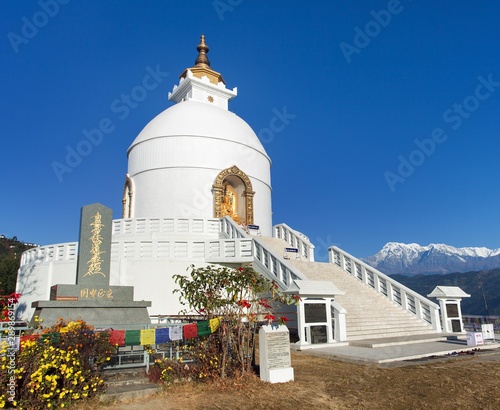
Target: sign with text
94 250
274 354
315 312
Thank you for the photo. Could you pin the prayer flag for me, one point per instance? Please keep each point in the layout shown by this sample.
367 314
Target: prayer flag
148 336
117 337
162 335
190 331
203 328
214 324
176 333
132 337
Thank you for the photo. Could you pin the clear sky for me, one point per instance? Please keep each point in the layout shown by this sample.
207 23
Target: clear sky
392 110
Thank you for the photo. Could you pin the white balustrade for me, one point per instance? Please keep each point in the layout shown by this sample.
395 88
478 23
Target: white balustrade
166 225
58 252
408 299
237 246
231 229
296 240
268 262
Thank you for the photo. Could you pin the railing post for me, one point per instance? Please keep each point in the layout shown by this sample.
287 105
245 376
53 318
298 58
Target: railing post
390 293
435 319
418 308
376 282
364 276
404 299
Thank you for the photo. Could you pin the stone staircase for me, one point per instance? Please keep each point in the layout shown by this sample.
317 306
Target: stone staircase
127 384
369 314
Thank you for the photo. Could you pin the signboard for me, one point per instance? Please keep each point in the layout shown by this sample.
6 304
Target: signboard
254 227
488 331
318 334
474 339
292 250
456 326
278 350
452 310
315 312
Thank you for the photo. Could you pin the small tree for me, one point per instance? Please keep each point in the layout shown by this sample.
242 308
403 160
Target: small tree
239 298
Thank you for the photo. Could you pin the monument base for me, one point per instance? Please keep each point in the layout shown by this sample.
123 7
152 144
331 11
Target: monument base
100 314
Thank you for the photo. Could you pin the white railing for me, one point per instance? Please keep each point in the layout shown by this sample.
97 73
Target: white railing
241 250
268 263
230 229
408 299
296 240
166 225
235 246
58 252
274 266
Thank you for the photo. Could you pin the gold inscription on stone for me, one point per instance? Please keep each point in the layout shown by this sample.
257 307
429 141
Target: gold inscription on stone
93 293
96 239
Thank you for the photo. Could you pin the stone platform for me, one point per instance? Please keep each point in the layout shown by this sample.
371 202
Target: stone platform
394 350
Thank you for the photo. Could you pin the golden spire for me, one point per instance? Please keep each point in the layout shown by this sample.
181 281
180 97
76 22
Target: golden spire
202 59
202 65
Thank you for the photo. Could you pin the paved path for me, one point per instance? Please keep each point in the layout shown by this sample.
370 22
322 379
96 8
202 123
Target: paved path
403 352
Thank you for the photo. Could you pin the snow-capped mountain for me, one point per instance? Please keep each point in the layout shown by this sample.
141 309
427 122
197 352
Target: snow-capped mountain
411 259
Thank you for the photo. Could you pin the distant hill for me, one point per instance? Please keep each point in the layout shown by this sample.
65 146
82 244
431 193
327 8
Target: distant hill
413 259
10 255
483 285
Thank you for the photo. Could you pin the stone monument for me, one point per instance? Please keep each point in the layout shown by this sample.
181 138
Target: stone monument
92 298
274 354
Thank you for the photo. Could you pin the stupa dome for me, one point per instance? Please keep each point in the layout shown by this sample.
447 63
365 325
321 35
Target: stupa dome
182 162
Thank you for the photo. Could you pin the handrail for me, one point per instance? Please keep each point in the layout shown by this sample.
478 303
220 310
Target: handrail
269 263
296 240
408 299
231 229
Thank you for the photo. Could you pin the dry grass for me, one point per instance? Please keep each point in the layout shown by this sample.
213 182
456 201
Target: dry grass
471 382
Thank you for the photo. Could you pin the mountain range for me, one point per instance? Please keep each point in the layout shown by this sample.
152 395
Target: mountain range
414 259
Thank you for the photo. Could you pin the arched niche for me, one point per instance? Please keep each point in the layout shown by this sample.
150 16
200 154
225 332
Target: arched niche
233 195
128 195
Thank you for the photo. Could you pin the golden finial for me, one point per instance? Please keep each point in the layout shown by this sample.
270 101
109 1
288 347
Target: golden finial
202 59
202 65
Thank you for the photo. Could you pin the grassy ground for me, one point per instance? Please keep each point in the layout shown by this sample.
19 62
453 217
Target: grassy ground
463 382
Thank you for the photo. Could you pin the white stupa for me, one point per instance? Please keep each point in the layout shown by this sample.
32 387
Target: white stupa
198 192
196 153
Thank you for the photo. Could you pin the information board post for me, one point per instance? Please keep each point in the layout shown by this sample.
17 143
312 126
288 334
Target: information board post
449 298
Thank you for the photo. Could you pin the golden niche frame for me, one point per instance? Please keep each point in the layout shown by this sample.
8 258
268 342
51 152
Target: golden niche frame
248 193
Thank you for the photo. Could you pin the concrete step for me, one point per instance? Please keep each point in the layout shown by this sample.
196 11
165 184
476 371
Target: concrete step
371 327
124 393
126 384
384 334
369 314
399 341
381 320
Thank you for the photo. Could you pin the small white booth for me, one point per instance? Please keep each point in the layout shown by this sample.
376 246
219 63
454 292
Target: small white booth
321 320
449 298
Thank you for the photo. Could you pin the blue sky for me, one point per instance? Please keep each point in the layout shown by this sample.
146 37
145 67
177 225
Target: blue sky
395 134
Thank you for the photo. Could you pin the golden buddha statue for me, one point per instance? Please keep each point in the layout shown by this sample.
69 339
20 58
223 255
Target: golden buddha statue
230 203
